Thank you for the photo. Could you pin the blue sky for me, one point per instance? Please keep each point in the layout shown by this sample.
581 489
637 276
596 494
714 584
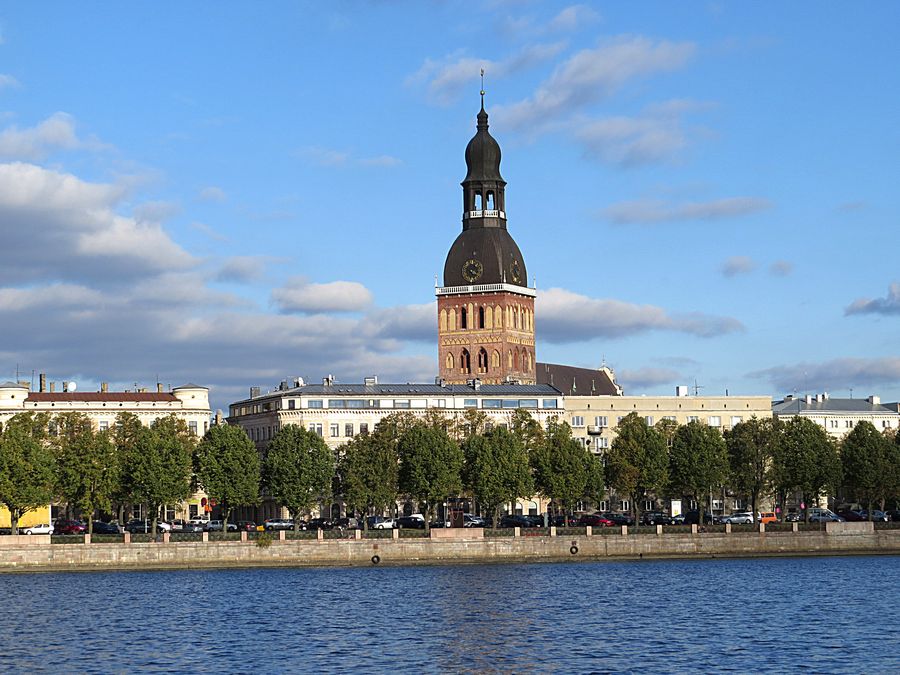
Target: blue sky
237 193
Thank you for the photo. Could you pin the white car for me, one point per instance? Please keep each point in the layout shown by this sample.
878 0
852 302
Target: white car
37 529
388 524
742 518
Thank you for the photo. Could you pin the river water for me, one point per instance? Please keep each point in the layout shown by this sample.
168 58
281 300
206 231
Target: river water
834 615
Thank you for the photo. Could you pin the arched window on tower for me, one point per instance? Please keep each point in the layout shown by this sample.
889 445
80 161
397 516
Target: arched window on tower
524 361
482 360
495 359
489 317
476 202
481 317
490 200
465 363
442 323
509 360
450 361
451 323
463 324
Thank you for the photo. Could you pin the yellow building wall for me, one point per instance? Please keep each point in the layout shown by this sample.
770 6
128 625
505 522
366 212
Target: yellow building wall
36 517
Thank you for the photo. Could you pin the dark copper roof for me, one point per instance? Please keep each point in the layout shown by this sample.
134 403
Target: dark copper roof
494 248
483 153
572 381
98 397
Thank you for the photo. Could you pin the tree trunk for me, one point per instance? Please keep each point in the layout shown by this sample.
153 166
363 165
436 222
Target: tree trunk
226 511
636 509
427 519
496 521
14 521
754 504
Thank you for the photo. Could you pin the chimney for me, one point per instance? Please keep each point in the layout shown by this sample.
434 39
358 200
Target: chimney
254 392
808 399
874 400
65 386
328 380
371 381
159 388
43 380
681 391
104 387
52 387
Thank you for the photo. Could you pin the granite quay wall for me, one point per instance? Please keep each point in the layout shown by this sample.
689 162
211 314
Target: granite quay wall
465 547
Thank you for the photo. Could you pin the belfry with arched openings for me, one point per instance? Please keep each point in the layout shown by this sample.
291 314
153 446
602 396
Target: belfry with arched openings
485 307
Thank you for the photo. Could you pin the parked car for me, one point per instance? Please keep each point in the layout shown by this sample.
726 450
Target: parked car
516 521
693 518
656 518
894 515
348 523
767 517
200 520
618 518
190 526
825 518
372 521
740 518
678 519
217 526
319 524
878 516
851 516
472 521
100 527
69 527
415 522
37 529
145 526
280 524
595 520
793 517
386 524
245 525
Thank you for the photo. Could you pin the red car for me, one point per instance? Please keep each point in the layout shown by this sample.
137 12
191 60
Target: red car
69 527
595 520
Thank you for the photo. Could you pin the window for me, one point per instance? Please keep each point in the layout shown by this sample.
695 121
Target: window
104 425
549 403
715 421
440 403
491 403
848 424
465 362
649 420
602 506
833 424
577 421
348 429
648 505
692 418
316 428
602 443
291 404
402 403
736 419
601 421
669 417
314 403
335 429
528 403
624 505
193 427
619 419
470 403
363 428
336 403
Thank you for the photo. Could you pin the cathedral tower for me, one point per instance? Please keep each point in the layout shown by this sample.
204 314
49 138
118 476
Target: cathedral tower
485 307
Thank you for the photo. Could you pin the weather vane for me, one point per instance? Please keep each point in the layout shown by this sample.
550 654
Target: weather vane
482 87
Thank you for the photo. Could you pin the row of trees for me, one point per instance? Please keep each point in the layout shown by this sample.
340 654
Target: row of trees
756 458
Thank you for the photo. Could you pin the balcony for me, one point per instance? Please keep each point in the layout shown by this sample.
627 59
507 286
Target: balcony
595 430
486 213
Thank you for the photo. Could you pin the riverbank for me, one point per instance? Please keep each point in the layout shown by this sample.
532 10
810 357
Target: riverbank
37 553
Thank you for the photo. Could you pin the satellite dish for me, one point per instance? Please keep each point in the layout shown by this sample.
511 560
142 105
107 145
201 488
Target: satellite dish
72 386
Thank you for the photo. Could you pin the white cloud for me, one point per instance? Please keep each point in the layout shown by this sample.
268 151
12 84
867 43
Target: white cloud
836 374
298 295
592 75
55 132
572 18
56 226
7 81
632 141
212 194
888 305
243 268
155 212
447 77
737 265
570 317
646 211
781 268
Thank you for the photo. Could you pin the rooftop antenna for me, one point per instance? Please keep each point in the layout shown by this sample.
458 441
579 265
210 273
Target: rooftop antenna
697 388
435 281
851 392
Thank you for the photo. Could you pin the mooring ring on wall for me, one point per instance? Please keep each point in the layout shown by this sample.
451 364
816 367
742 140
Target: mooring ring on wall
376 559
573 549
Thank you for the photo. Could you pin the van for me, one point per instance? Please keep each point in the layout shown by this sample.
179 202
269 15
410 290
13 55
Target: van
767 517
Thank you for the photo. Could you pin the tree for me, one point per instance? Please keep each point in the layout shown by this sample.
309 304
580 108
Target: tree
595 488
869 463
88 465
560 468
26 466
160 463
806 460
227 466
638 462
698 461
496 470
752 446
527 429
472 422
430 466
127 432
298 469
369 468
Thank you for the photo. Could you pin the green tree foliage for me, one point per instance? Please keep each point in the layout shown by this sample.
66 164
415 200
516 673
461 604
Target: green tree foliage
638 462
559 466
870 465
752 446
125 435
87 465
159 463
496 469
430 466
228 468
698 461
806 460
472 423
27 466
369 469
298 469
527 429
595 488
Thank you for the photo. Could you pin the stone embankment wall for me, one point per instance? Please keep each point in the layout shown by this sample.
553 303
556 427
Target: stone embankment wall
29 554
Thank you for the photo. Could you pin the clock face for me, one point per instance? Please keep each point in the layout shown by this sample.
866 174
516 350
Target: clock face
472 270
515 271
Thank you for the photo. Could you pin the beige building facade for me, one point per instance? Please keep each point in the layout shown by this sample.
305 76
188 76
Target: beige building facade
838 416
